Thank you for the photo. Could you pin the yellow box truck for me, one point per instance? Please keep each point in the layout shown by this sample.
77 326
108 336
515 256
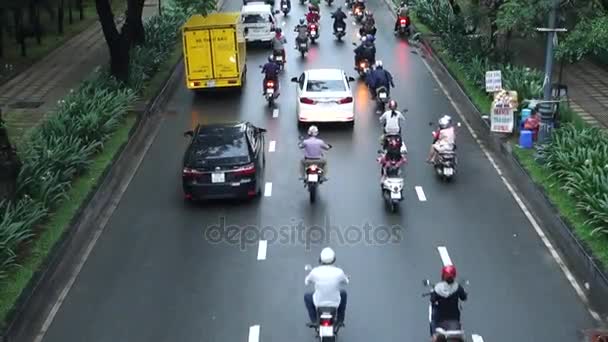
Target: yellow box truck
214 51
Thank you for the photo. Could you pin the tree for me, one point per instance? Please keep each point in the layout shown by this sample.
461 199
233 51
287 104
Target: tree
9 165
120 42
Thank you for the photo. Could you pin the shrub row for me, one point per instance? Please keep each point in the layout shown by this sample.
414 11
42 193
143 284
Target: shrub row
473 52
577 157
62 148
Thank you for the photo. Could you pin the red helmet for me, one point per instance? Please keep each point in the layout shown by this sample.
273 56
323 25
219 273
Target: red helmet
448 273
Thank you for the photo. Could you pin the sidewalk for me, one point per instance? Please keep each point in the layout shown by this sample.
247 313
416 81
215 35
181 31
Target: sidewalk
587 81
29 97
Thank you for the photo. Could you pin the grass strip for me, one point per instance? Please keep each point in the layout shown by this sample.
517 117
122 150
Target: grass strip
565 204
60 220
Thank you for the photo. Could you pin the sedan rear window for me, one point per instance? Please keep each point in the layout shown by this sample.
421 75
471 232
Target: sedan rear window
325 85
256 19
221 149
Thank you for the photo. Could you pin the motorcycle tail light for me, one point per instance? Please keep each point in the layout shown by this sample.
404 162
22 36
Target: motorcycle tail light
326 322
403 21
270 84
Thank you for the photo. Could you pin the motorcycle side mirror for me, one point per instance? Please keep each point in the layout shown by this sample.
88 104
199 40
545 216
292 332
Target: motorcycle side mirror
351 79
294 79
261 130
426 282
307 268
188 133
458 124
354 44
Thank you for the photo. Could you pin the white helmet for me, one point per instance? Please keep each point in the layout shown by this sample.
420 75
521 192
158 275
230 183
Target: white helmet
378 63
328 256
313 131
445 121
363 38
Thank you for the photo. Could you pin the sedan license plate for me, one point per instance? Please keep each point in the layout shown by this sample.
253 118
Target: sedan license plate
313 178
382 95
218 177
326 331
448 171
395 195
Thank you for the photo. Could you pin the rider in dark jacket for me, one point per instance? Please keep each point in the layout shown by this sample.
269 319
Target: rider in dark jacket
366 50
445 299
380 78
339 19
271 72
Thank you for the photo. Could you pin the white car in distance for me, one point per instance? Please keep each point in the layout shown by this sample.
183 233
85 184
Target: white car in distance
324 95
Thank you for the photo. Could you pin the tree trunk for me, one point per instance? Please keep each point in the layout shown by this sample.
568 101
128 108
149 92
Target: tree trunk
118 43
2 32
135 21
9 165
19 30
60 16
70 13
36 25
81 9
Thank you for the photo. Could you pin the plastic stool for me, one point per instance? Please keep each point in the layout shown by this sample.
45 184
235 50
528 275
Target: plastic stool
525 139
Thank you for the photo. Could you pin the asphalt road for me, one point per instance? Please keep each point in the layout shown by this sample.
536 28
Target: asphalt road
155 274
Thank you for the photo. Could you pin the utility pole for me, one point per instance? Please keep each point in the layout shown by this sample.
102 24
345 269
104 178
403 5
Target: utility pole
546 107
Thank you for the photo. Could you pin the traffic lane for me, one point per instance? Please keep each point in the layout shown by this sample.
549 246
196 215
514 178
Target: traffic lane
155 243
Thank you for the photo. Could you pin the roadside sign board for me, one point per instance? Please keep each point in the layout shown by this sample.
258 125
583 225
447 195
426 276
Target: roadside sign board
502 118
493 81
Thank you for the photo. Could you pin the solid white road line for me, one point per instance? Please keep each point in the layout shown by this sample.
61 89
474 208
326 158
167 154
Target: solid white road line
272 146
262 249
477 338
518 200
420 193
275 113
254 333
445 257
268 189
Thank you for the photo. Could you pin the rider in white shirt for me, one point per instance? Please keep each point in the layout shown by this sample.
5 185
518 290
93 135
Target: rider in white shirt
327 279
391 119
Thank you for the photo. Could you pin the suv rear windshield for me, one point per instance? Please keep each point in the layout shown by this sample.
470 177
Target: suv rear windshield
216 149
325 85
256 19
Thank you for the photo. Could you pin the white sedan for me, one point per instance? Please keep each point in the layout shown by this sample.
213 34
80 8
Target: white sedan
324 95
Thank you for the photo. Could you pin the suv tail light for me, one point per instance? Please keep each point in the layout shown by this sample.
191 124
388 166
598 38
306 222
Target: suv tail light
306 100
345 100
246 170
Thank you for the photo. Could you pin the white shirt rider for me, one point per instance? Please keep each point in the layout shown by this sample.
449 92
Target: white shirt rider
392 123
327 280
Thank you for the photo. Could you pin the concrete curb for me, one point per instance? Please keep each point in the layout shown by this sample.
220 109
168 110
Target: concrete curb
33 304
584 266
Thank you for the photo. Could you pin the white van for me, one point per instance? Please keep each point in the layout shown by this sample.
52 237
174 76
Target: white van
258 22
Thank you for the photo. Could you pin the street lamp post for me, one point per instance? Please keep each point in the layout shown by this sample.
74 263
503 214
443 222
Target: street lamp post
546 107
159 8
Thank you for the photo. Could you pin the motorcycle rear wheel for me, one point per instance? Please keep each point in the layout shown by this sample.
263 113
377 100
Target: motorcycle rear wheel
312 191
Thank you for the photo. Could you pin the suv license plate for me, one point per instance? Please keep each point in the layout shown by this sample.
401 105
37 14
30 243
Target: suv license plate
218 177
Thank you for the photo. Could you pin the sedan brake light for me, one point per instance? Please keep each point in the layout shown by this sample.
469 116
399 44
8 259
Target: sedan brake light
306 100
246 170
345 100
188 172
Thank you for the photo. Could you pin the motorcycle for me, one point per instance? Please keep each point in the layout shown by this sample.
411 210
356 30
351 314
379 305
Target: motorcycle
314 176
445 161
339 32
270 93
303 47
278 58
449 331
382 98
363 68
284 8
391 182
313 32
404 26
327 330
367 30
358 13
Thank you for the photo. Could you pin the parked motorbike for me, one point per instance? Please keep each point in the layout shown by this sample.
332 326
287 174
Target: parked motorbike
382 98
404 26
391 182
313 32
327 330
449 331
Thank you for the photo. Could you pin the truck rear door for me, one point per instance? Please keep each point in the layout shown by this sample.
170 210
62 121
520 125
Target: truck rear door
224 52
198 60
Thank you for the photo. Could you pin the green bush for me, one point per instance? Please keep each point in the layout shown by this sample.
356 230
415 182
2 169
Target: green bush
61 148
578 159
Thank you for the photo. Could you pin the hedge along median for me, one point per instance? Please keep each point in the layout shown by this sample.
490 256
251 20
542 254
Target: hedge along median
64 157
576 176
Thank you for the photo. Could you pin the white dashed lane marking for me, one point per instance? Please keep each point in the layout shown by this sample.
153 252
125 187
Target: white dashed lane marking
477 338
420 194
262 249
254 333
445 257
268 190
275 113
272 146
